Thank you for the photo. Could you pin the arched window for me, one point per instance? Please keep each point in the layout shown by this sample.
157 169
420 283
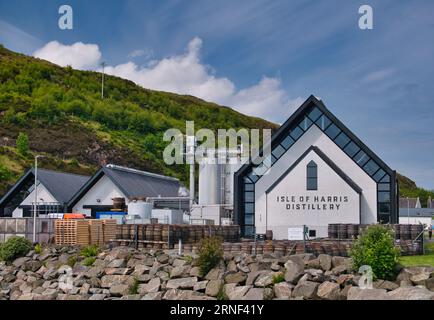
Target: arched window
312 176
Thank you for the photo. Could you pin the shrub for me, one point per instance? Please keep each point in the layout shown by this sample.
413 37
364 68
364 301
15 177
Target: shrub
14 247
134 287
89 251
375 247
187 258
89 261
221 295
5 173
279 277
38 248
72 260
22 144
210 253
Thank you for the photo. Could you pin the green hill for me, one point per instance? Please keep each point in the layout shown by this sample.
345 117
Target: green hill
62 113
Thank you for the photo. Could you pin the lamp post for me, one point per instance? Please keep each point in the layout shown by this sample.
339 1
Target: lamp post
36 197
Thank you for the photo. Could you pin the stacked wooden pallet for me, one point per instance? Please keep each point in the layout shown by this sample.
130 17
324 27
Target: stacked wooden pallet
96 232
71 232
109 229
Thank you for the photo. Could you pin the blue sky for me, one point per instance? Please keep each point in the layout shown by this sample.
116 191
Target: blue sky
262 58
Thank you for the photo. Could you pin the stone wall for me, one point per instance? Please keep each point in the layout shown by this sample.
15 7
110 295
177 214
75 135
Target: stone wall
128 274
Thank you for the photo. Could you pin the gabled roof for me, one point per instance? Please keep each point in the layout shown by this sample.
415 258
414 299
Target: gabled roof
60 184
409 203
416 212
132 183
300 112
327 160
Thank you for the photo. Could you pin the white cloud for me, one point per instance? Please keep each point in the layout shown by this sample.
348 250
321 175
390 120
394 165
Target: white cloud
78 55
267 100
145 53
378 75
183 74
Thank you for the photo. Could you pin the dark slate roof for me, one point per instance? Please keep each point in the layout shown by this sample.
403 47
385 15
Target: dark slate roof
60 184
132 183
416 212
403 203
327 160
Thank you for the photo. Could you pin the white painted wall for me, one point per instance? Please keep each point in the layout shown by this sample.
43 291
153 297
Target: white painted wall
43 194
416 220
104 190
341 210
315 137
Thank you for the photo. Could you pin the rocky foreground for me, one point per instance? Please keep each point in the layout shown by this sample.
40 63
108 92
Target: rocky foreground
128 274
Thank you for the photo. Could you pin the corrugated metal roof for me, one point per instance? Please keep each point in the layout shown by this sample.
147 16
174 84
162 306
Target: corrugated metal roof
60 184
416 212
135 183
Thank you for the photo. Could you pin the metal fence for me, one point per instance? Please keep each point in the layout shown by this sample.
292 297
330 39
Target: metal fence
23 227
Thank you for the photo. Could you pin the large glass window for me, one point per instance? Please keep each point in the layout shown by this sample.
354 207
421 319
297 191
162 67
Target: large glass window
312 176
332 131
287 142
278 151
361 158
371 167
342 140
351 149
314 114
305 124
323 122
296 133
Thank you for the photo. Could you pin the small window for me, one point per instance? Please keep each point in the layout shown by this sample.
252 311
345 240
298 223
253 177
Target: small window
312 176
351 149
305 123
342 139
323 122
332 131
278 151
314 114
287 142
296 133
312 233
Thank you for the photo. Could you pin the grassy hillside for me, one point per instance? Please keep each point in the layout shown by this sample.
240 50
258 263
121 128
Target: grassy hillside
61 111
408 188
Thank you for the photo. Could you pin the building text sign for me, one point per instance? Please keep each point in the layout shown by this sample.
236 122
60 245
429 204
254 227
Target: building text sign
312 203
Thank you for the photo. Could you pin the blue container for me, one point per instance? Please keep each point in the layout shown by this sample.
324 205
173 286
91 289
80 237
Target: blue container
119 216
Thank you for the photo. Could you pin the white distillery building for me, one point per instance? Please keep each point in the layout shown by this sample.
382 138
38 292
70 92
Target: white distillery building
320 173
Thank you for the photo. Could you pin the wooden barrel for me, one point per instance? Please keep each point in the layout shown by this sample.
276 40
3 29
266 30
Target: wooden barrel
279 248
334 249
191 234
268 247
404 230
396 231
157 232
227 247
199 233
342 231
118 203
415 231
188 247
246 247
333 230
149 232
259 247
352 231
236 247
